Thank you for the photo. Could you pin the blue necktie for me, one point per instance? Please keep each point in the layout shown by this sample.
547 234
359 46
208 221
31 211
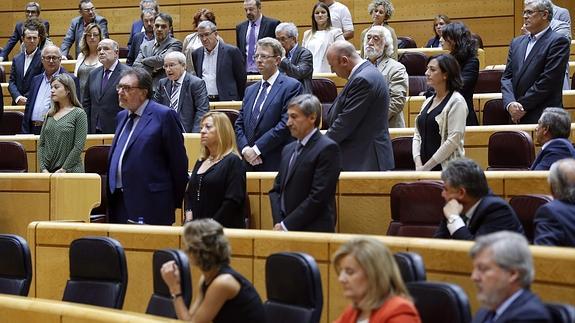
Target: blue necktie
251 45
122 141
256 112
105 79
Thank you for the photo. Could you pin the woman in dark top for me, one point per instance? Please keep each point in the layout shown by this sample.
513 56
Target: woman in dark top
439 22
225 295
217 187
457 39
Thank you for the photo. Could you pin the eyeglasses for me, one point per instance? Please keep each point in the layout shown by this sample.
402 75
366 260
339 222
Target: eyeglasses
89 9
51 58
171 65
205 35
530 13
32 12
263 57
126 88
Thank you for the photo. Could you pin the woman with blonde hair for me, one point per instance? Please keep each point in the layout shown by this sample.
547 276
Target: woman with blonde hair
217 186
88 57
371 280
64 130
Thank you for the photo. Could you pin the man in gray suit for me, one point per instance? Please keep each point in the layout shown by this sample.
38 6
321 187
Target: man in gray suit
76 29
183 92
358 117
151 56
297 61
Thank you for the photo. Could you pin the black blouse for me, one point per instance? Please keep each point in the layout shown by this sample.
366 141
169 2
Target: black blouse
469 74
429 130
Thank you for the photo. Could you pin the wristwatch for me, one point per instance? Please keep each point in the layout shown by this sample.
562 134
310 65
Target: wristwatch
174 296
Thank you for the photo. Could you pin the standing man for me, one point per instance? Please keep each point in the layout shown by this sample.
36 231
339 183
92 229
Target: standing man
146 36
138 26
39 99
303 196
358 117
298 61
534 65
151 55
553 131
76 30
183 92
503 273
148 166
32 11
261 130
340 17
100 98
470 208
250 31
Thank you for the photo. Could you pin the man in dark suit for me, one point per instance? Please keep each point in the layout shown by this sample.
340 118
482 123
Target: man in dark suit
534 64
148 17
298 61
26 65
553 131
138 26
261 130
100 98
183 92
503 273
76 29
250 31
39 99
148 166
32 11
303 196
358 117
555 221
220 65
470 209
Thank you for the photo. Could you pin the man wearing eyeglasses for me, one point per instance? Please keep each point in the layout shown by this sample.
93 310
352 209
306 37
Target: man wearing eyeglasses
533 76
38 103
76 30
32 11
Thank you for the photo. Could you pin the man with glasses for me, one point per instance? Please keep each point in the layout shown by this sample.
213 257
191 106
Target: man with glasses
220 65
533 76
297 61
261 130
38 103
76 30
32 11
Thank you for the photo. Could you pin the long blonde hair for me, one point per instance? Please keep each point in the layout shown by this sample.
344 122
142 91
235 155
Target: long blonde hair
225 133
68 82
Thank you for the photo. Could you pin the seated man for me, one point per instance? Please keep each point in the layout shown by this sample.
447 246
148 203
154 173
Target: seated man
555 221
471 210
76 30
503 273
553 131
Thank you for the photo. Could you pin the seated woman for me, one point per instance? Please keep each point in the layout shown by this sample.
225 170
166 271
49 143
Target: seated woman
192 41
217 186
320 36
380 12
225 295
457 39
64 131
440 126
371 280
438 23
88 57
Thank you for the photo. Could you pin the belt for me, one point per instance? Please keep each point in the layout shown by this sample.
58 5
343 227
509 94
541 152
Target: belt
37 123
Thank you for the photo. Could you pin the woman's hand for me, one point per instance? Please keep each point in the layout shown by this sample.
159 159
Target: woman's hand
61 170
171 276
188 216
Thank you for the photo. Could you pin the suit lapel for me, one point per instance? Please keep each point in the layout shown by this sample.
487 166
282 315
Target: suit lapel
335 107
113 77
144 120
311 142
270 97
220 61
183 91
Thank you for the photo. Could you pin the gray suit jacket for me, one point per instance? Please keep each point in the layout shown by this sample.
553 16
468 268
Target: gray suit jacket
300 67
75 32
153 62
193 101
102 105
397 80
358 121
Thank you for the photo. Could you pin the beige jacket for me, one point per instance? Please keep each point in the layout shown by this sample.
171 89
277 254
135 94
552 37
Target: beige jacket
397 81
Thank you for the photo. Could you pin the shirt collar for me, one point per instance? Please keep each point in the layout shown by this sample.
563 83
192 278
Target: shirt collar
548 142
539 34
113 67
292 51
31 54
214 51
55 73
271 80
181 79
471 210
141 108
356 67
258 21
305 139
506 304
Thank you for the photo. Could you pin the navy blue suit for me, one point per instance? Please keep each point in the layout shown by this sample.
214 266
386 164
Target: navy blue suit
136 29
555 150
271 133
17 37
154 167
267 29
527 308
19 84
555 224
491 215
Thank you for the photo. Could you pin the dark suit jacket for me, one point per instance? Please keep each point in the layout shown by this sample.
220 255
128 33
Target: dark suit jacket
555 224
230 72
557 149
309 188
534 82
102 106
34 87
193 101
137 26
19 84
154 166
469 74
154 63
527 308
75 32
267 29
17 37
358 121
491 215
300 67
134 48
271 133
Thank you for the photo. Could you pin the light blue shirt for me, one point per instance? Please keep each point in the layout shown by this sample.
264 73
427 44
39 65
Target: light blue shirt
43 98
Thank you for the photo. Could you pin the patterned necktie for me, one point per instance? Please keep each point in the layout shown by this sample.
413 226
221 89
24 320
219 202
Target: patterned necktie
256 111
174 97
252 44
105 79
122 141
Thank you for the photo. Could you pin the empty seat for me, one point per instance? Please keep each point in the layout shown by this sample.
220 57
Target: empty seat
98 273
293 300
489 81
410 266
11 123
402 154
406 42
440 302
494 113
232 114
415 63
561 313
324 89
510 150
123 52
13 157
416 209
15 265
161 301
525 207
417 84
96 161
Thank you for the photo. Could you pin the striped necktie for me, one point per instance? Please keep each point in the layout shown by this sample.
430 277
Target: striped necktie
174 97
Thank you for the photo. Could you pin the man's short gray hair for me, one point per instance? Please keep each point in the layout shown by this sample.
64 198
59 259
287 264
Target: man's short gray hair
274 44
385 34
179 56
144 2
542 5
289 28
308 104
562 180
208 24
510 251
557 121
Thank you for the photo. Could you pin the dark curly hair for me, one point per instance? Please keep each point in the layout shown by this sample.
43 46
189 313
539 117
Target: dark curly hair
207 244
464 45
